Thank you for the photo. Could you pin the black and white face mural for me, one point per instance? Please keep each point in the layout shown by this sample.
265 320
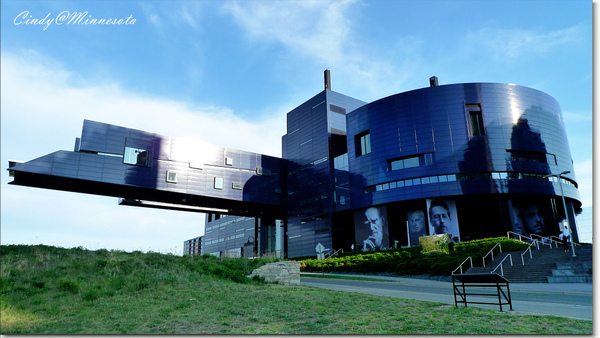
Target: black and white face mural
417 225
443 217
530 217
371 228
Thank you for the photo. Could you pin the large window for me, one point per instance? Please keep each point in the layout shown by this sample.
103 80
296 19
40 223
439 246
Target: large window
363 143
136 156
406 162
530 156
475 119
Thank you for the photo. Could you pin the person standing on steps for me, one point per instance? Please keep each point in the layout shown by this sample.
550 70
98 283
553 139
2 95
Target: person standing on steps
565 235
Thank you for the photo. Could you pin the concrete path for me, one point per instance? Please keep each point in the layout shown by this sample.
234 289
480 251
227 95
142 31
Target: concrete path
571 300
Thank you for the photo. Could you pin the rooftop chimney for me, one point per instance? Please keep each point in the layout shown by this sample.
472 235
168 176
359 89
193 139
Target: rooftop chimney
433 81
327 79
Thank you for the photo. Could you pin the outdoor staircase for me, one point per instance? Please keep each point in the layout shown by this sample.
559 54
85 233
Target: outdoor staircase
546 266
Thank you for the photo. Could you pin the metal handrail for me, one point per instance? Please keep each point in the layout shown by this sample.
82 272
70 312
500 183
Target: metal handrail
543 240
558 240
532 240
520 236
500 265
492 252
529 249
461 264
333 253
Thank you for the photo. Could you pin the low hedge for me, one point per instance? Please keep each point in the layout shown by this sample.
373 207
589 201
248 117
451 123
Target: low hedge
411 261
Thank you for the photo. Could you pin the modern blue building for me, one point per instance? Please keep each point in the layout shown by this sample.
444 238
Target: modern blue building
467 159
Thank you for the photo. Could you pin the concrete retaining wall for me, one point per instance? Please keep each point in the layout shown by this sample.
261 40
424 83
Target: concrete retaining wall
284 272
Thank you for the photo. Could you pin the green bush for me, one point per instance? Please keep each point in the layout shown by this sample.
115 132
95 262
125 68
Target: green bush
411 261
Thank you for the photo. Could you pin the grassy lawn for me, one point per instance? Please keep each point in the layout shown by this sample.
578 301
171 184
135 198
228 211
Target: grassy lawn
57 291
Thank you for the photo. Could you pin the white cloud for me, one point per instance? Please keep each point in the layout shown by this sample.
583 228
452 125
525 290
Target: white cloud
36 99
574 117
322 31
511 44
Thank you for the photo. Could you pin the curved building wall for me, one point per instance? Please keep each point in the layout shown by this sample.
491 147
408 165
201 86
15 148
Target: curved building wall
482 147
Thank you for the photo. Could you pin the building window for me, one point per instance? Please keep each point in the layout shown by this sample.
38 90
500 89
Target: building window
236 186
337 109
363 143
528 156
341 162
218 183
228 161
171 176
263 171
407 162
136 156
475 119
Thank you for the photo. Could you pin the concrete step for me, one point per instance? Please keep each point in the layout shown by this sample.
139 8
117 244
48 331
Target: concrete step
544 266
570 279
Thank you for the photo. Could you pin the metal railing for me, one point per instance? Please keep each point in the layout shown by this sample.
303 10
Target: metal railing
558 240
461 264
492 252
529 239
545 240
535 242
502 262
333 253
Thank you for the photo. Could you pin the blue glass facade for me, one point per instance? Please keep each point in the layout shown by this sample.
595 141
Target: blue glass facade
316 135
486 147
466 159
153 170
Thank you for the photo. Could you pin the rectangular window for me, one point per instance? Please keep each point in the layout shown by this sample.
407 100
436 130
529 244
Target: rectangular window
236 186
218 183
263 171
136 156
475 119
171 176
228 161
407 162
362 143
528 156
337 109
551 159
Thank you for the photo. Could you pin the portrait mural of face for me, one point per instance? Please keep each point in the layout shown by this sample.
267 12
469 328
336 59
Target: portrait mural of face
442 217
529 217
371 228
416 225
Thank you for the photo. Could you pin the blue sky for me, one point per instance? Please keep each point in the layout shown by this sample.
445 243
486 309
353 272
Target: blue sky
227 73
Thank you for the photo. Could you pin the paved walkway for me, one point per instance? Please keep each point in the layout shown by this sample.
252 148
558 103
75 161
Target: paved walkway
571 300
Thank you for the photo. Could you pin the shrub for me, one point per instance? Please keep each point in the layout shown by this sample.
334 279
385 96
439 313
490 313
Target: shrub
411 261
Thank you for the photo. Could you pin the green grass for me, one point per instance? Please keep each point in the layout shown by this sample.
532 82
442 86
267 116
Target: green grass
47 290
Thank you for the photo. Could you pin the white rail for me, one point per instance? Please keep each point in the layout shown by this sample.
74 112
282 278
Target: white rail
529 249
492 252
500 265
461 264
